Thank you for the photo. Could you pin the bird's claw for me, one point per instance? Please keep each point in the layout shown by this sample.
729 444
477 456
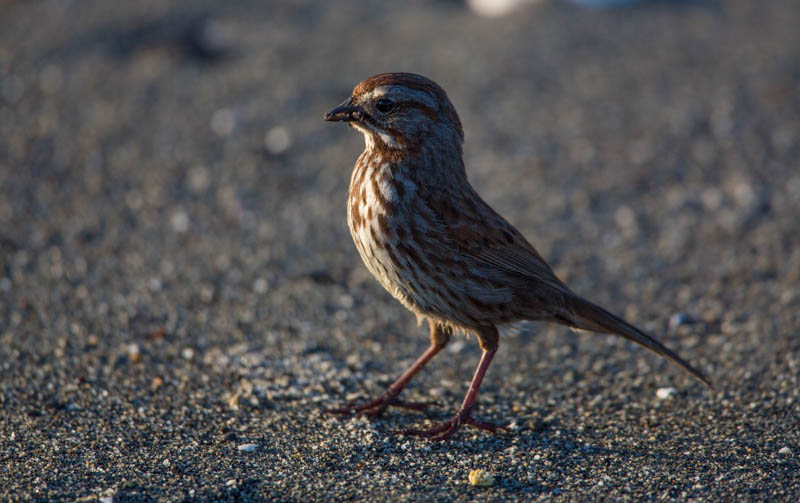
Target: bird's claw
446 429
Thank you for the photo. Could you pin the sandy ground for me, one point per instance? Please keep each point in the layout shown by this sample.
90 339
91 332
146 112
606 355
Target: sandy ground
180 297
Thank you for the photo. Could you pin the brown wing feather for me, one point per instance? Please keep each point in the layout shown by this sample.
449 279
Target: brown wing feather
485 236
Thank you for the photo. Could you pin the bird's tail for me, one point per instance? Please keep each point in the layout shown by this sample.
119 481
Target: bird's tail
588 316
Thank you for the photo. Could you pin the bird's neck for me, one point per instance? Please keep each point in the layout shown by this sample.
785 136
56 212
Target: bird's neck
430 162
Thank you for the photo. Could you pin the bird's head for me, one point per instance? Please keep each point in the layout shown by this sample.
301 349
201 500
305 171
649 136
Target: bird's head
401 111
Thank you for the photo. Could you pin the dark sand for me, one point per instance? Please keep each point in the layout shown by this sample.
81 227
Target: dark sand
180 297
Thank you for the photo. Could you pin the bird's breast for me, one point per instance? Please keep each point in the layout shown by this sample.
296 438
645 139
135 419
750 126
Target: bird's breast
378 214
406 244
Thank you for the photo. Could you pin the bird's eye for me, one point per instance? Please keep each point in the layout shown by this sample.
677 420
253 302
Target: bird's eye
384 105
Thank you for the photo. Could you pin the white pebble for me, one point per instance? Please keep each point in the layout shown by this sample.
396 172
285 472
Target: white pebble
247 447
480 478
133 351
664 393
154 284
679 319
260 286
346 301
199 179
179 221
785 451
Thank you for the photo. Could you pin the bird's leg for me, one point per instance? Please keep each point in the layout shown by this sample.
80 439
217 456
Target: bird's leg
440 336
488 339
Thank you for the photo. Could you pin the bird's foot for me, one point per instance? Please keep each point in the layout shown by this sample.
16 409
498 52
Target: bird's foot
446 429
376 407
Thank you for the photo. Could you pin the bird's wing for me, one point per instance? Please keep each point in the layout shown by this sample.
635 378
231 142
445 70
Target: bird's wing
473 229
479 233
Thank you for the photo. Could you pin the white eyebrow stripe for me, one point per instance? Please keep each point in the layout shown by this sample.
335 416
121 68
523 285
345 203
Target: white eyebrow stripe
403 93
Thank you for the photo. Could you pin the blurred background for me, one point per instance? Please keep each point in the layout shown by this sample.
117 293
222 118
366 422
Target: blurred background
172 207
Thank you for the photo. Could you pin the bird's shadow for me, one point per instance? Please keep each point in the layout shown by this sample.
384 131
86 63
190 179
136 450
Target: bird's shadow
569 445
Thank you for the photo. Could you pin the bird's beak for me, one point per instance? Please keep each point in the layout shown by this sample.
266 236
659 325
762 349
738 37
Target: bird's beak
346 112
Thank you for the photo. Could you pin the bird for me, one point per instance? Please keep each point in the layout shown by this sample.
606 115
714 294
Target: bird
435 245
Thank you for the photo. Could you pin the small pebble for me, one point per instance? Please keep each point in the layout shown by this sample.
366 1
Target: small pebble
247 447
785 451
134 353
154 284
206 293
156 383
260 286
480 478
664 393
199 179
179 221
680 319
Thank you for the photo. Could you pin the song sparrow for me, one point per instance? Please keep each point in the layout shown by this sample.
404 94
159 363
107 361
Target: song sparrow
437 247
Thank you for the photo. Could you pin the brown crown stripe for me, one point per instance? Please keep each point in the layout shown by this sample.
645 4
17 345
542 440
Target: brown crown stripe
409 80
